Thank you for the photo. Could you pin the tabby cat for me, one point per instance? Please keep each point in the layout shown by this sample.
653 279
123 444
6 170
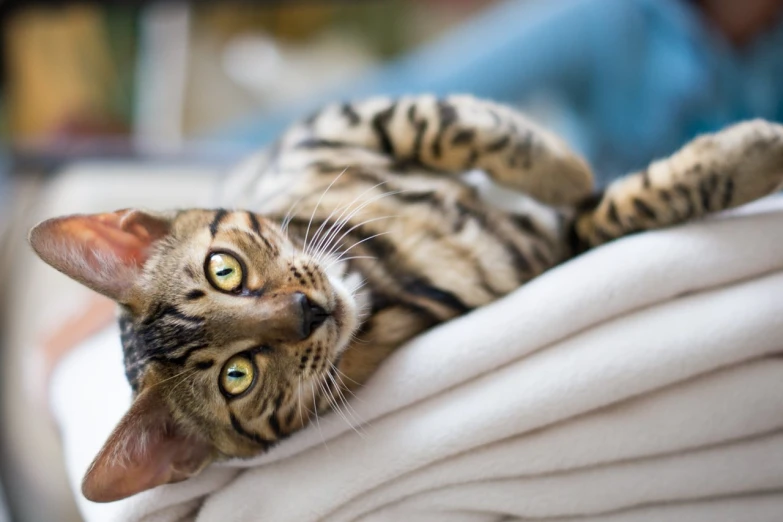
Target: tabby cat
356 232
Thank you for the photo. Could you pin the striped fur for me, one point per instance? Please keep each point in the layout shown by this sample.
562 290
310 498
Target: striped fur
363 207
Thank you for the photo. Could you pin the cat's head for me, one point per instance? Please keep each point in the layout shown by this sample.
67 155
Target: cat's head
229 332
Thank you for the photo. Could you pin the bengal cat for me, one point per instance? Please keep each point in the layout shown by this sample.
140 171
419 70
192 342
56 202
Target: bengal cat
238 325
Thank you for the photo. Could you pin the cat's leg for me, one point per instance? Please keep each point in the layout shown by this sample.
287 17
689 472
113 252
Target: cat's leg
453 134
711 173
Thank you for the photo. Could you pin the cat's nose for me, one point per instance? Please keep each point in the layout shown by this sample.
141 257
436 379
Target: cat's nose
288 317
313 315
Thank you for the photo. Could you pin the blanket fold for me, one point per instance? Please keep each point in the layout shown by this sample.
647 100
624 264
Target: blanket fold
641 381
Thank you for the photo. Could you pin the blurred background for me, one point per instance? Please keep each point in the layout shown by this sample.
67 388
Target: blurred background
112 104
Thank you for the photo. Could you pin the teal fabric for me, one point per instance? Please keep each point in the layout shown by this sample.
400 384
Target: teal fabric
635 78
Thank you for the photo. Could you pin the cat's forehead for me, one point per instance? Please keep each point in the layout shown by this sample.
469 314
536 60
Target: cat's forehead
195 233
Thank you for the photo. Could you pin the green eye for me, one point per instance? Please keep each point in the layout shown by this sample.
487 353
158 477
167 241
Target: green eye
224 272
237 375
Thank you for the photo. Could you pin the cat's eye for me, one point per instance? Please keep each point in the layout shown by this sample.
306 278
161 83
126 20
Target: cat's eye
237 375
224 272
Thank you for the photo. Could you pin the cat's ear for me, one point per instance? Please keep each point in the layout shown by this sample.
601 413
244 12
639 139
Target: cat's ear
145 450
103 251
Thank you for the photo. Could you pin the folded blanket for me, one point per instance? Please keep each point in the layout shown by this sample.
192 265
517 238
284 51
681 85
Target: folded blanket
639 382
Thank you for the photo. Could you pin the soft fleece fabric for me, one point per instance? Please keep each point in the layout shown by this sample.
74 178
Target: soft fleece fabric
640 382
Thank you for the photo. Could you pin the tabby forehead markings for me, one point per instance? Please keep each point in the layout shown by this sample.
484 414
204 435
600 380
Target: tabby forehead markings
213 226
254 224
259 241
191 273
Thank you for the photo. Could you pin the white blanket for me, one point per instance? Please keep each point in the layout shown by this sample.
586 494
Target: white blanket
640 382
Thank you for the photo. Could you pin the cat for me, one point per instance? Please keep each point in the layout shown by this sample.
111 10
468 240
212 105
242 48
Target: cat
353 233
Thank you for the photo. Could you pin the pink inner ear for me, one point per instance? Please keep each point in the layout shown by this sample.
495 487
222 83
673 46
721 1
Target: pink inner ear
103 251
103 233
145 450
128 233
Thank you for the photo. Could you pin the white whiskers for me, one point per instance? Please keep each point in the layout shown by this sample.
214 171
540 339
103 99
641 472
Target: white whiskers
336 243
336 228
341 257
357 424
317 422
318 204
289 216
339 218
332 400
